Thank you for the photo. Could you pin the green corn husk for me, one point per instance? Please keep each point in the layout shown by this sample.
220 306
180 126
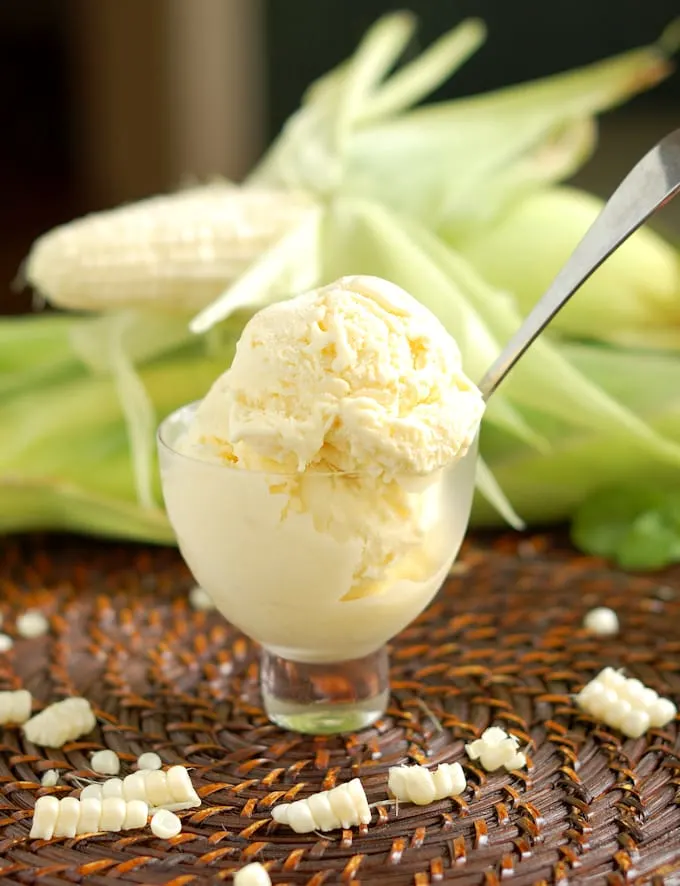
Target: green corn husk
380 187
551 486
449 164
632 299
70 467
33 350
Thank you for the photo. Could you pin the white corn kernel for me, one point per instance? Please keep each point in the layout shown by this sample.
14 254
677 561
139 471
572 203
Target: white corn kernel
67 821
181 789
60 723
421 787
253 874
50 778
149 760
592 690
91 791
134 786
15 706
113 814
355 789
280 811
618 711
443 780
136 814
601 702
157 792
6 643
649 696
342 804
601 621
112 787
611 678
495 749
90 815
32 624
105 762
321 812
165 824
633 691
635 723
301 820
200 599
625 704
661 712
45 816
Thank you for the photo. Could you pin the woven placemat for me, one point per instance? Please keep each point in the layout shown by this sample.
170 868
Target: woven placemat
501 644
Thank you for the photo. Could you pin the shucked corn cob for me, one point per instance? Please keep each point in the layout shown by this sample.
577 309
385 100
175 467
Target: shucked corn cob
172 251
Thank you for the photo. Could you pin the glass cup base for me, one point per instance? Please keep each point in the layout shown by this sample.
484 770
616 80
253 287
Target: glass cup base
325 698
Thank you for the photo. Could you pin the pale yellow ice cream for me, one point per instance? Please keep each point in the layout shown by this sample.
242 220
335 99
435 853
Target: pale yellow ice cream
315 498
356 376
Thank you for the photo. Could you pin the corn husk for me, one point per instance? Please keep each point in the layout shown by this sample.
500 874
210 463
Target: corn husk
632 299
358 182
550 487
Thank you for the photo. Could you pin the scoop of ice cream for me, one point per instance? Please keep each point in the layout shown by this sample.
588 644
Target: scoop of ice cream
356 376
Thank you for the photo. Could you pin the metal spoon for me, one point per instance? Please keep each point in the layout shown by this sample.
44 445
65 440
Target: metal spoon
650 184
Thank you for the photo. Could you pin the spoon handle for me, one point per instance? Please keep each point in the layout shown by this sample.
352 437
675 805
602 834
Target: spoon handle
651 183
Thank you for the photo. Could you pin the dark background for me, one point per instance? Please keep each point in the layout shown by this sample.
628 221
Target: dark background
41 152
526 39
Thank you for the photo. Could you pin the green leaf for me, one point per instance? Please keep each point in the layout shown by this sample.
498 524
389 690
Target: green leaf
35 350
638 528
650 543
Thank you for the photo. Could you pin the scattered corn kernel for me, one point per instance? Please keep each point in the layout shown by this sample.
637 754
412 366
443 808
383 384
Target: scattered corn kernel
601 621
149 760
60 723
419 785
253 874
625 704
341 807
165 824
15 706
105 762
32 624
200 599
495 749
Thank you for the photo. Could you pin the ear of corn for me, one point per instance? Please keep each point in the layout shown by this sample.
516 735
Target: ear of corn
357 182
173 252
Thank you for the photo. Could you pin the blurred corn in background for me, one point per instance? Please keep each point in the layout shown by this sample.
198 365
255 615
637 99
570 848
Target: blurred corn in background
457 202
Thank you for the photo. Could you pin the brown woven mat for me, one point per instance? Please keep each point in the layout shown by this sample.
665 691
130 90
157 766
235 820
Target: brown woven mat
502 644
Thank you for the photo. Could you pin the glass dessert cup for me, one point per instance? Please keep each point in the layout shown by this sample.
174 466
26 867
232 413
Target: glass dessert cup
320 569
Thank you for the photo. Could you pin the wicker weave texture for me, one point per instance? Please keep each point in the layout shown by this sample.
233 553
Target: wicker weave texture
502 644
